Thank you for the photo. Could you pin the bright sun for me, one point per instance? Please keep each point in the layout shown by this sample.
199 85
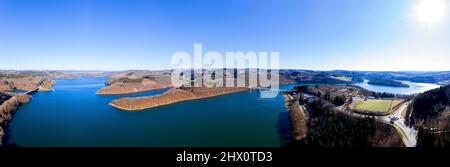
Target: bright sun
430 11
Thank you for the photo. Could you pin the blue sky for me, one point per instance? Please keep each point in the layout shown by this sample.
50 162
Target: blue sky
135 34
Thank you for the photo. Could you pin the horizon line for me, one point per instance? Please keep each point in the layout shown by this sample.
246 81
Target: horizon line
301 69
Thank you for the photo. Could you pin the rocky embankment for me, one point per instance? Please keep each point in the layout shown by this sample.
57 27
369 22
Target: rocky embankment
47 86
171 96
297 115
8 108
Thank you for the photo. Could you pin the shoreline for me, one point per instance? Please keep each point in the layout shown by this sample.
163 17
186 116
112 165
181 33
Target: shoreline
298 117
173 102
170 102
169 87
130 93
8 109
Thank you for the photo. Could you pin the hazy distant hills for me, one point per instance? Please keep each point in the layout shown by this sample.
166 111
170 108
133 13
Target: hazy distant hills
287 76
417 76
384 78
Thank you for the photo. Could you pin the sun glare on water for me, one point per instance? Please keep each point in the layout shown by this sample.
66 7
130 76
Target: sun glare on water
431 11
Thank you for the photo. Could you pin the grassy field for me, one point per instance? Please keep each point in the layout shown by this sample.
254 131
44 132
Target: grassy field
374 105
396 103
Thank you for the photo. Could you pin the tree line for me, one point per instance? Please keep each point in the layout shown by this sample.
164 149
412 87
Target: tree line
431 115
328 127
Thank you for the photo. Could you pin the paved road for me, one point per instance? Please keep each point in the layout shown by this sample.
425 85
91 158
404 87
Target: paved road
408 134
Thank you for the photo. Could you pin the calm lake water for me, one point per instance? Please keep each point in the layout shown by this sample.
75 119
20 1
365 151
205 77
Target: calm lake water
413 87
73 115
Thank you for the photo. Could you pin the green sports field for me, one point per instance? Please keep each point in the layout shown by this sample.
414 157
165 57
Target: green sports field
374 105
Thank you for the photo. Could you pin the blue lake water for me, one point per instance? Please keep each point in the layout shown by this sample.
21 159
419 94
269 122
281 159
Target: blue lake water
73 115
413 87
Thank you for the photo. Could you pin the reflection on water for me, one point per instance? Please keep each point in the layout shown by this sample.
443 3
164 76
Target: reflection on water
284 128
73 115
413 87
81 86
